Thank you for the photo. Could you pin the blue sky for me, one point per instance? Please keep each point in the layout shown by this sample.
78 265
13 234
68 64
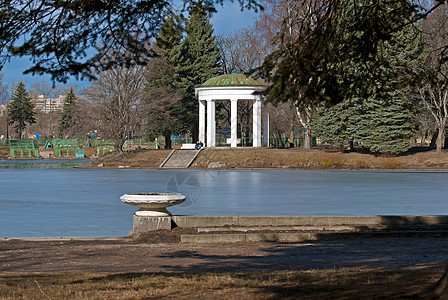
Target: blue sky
228 19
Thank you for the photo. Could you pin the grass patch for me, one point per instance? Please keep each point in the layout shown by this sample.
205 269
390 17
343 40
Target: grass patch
316 159
312 284
389 163
331 161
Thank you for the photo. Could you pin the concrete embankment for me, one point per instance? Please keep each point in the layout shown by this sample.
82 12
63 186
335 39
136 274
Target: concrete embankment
211 229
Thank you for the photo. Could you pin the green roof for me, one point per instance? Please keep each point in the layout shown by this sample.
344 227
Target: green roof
233 80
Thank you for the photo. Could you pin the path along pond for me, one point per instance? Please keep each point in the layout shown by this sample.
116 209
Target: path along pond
40 202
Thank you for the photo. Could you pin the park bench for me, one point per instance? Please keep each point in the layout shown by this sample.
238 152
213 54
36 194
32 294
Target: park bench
22 147
66 147
102 149
229 141
188 147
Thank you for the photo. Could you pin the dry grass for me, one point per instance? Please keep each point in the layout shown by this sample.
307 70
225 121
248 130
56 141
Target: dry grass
317 159
313 284
286 158
4 152
133 159
331 161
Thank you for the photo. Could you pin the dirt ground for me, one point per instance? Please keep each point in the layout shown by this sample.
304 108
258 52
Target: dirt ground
249 158
396 268
134 256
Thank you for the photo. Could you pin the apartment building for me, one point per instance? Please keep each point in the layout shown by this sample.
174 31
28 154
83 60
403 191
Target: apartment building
49 104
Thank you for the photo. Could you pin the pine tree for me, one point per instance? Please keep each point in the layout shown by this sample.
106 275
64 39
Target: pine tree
196 59
68 110
386 123
21 109
376 112
169 36
331 124
162 96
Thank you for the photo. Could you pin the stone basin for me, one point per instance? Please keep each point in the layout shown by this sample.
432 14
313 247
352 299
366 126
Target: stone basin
153 204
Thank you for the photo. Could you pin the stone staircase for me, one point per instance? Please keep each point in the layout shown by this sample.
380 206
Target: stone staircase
180 158
226 229
306 233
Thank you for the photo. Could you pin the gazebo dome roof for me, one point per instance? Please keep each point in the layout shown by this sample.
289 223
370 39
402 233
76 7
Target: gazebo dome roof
232 80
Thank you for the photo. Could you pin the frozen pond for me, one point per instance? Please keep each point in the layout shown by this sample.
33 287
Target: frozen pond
85 202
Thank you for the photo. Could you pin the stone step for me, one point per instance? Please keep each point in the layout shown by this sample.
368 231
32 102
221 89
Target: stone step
180 159
330 228
301 236
327 221
286 228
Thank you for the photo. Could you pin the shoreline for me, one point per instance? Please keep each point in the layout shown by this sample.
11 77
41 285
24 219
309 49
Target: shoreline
277 159
270 159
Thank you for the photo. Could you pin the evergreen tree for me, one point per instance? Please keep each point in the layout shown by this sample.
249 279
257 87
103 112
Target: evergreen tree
331 124
162 96
331 35
68 110
386 125
196 60
386 122
169 36
376 112
21 109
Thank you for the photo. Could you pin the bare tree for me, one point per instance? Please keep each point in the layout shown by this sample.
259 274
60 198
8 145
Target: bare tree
283 120
117 94
433 90
288 18
47 90
46 121
305 115
242 51
3 91
88 115
3 110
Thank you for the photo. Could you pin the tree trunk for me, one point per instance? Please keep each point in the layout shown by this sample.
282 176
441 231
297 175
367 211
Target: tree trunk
440 143
291 136
194 134
351 145
305 118
118 144
167 141
307 138
432 144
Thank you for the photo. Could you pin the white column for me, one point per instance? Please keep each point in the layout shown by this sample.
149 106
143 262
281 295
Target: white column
211 125
266 127
201 121
256 110
234 122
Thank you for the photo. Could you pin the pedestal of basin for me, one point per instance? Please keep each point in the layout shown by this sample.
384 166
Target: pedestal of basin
153 204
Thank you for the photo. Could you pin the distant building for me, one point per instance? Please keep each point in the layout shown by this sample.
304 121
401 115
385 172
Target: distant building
49 104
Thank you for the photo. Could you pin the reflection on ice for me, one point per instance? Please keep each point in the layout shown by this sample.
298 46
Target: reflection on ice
42 164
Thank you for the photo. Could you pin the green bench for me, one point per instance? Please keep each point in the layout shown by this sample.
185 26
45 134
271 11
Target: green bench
101 150
66 148
24 148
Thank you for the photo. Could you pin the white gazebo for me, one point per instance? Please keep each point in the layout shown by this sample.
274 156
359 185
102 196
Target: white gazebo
233 88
